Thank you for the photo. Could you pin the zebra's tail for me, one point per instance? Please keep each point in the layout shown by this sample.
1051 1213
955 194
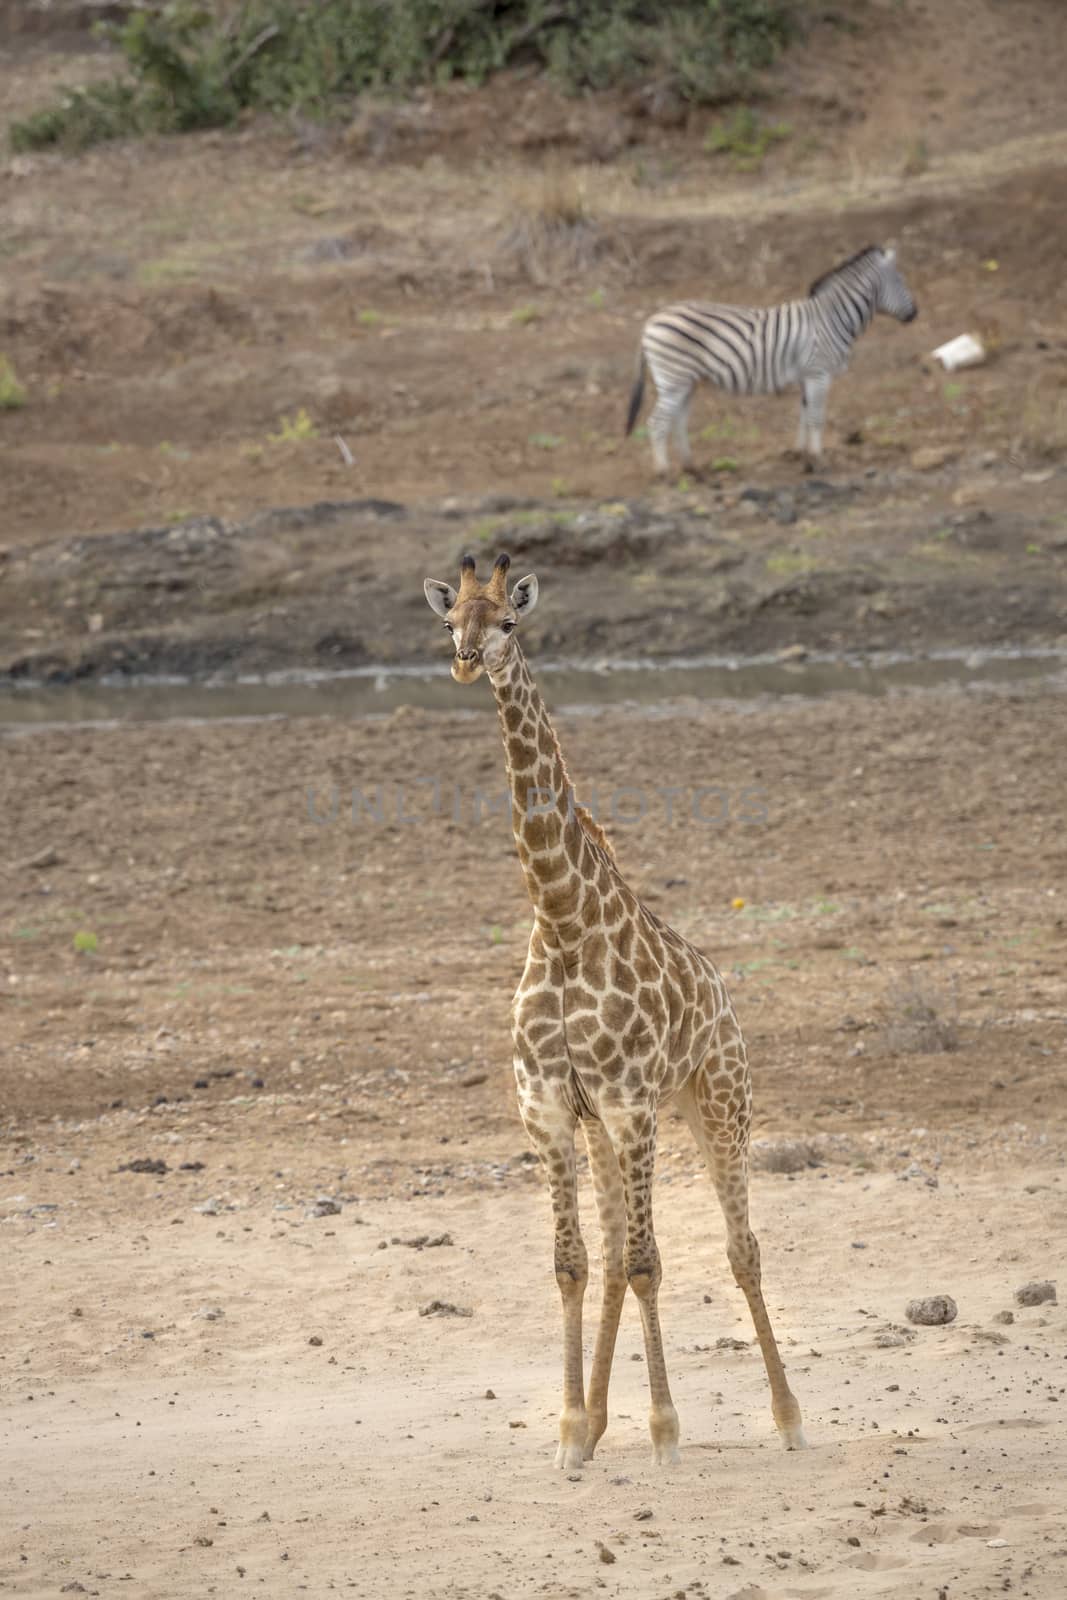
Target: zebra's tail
637 393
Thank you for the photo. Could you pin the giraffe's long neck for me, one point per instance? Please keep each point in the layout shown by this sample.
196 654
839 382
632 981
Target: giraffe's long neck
562 856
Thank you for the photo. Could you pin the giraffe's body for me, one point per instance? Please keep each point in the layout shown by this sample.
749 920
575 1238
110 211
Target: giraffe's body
615 1014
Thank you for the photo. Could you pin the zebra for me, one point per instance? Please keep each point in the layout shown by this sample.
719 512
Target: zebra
763 350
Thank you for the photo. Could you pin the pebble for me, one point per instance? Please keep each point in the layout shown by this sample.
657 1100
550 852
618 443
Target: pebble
210 1314
1006 1317
933 1311
608 1557
444 1308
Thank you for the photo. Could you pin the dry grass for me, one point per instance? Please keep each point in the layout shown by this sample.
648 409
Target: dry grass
552 232
919 1019
1042 432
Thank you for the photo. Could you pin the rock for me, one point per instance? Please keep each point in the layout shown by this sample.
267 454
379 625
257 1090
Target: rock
516 1424
608 1557
210 1314
145 1164
48 857
489 1395
443 1308
1005 1317
792 652
1037 1293
324 1207
933 1311
424 1241
784 1155
316 1340
208 1208
931 456
726 1343
892 1335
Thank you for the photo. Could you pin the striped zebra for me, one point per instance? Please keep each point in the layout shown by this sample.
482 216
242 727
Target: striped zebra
764 349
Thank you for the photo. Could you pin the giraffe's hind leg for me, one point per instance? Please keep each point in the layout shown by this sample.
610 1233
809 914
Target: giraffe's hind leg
611 1208
716 1105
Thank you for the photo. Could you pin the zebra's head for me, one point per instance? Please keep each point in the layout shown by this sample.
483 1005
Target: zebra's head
481 617
894 297
873 277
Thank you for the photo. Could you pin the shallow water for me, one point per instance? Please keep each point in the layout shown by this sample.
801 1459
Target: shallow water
374 691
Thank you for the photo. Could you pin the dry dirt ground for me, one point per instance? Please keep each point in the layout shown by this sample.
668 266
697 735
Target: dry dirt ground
301 1025
280 1009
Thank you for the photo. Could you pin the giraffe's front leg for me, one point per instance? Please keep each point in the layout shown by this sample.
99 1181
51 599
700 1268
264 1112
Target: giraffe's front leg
550 1125
611 1205
634 1138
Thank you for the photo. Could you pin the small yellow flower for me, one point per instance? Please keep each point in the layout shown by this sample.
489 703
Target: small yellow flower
737 903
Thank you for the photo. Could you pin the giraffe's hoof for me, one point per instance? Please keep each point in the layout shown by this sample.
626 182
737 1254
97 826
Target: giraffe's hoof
665 1455
793 1438
569 1457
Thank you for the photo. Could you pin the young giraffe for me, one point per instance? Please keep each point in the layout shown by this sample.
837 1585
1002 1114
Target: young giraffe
615 1014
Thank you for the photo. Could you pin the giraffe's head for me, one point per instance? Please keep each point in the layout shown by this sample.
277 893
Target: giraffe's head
481 617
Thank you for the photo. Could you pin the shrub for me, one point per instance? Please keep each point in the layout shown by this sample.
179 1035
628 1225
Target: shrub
188 65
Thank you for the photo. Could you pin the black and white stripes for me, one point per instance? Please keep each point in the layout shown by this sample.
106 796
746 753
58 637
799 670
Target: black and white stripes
762 350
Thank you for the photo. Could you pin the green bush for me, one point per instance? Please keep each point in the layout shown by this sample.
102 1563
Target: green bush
188 65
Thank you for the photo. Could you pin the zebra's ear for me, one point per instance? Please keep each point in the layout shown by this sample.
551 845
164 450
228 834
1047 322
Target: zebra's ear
524 595
441 596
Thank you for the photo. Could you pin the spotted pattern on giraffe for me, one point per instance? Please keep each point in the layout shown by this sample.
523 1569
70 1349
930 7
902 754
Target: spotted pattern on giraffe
615 1014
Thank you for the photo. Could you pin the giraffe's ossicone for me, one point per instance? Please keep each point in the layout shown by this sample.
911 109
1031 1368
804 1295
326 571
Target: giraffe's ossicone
615 1015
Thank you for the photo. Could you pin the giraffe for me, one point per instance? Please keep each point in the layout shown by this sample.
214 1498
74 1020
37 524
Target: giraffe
615 1015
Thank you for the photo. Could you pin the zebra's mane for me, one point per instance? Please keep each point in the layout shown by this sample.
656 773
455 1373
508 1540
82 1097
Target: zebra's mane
861 255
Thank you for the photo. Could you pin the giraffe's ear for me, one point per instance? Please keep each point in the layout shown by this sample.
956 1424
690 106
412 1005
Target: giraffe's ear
441 596
524 596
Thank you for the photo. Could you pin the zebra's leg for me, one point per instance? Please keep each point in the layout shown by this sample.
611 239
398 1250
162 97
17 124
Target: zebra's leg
681 431
802 425
815 391
663 419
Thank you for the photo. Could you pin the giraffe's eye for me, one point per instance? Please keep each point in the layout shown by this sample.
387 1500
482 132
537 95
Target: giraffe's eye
506 627
450 628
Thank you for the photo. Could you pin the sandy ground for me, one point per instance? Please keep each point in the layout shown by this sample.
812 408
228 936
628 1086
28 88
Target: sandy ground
274 1015
321 1435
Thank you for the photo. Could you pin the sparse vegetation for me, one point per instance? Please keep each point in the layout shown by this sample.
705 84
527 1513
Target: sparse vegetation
1042 426
12 393
552 231
745 138
187 65
919 1019
295 429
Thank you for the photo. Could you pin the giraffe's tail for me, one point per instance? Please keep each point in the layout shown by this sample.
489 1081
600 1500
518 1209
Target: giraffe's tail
637 393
